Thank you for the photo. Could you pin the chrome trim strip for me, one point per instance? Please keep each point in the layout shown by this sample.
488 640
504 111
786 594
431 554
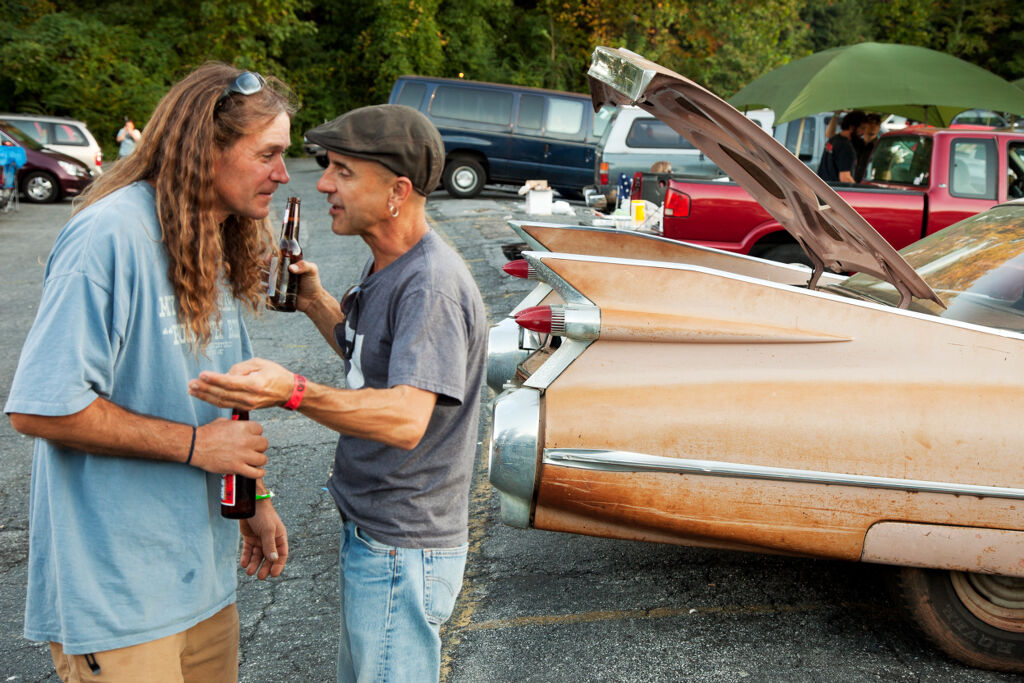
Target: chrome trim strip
562 358
565 290
624 461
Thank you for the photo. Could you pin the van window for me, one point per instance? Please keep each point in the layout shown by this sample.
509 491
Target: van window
472 104
565 117
37 130
531 112
412 94
655 133
68 135
973 169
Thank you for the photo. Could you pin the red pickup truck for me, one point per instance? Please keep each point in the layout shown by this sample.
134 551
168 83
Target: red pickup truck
920 180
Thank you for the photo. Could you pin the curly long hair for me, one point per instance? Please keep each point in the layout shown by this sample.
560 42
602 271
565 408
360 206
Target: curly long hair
176 154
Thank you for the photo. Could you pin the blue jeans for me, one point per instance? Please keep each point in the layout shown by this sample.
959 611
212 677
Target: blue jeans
393 602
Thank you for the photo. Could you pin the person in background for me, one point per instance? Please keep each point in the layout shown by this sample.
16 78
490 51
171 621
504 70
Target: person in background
839 159
128 136
661 167
132 570
867 137
412 337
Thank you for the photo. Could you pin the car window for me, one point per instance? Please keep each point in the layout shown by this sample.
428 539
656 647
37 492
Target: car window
37 130
652 133
800 136
1015 170
602 117
565 117
20 137
902 160
66 134
531 112
976 266
972 170
411 94
472 104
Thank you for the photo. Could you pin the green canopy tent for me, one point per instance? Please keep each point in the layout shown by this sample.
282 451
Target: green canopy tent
914 82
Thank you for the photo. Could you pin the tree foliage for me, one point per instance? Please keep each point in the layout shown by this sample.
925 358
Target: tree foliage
99 60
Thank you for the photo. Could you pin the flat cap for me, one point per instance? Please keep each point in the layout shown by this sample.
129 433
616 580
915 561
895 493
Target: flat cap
398 137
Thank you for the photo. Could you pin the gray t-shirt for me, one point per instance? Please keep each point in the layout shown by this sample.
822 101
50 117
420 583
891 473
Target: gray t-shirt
421 322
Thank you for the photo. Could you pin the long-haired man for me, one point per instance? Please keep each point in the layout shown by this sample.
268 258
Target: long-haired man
131 566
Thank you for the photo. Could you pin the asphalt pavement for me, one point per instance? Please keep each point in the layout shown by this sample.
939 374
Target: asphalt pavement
535 606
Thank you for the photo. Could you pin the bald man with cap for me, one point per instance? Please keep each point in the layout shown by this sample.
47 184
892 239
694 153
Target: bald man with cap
412 336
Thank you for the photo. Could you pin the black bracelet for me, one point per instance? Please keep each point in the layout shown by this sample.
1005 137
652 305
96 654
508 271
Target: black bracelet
192 447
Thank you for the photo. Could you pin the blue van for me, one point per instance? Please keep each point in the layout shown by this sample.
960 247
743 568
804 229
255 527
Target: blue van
507 134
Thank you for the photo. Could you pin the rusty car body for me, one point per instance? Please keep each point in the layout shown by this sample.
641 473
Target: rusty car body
659 391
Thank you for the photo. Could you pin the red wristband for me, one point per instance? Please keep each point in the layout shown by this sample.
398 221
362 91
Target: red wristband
298 391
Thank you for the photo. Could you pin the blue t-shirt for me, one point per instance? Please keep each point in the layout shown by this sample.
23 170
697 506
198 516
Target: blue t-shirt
121 550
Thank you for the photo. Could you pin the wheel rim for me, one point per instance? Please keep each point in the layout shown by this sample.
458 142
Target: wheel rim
464 178
995 600
39 188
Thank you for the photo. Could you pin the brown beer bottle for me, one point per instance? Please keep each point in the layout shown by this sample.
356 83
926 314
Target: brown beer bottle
237 493
282 284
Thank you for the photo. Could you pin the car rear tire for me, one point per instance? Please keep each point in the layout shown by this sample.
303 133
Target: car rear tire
787 253
977 619
40 187
463 178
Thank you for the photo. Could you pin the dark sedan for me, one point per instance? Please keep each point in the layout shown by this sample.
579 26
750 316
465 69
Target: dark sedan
47 175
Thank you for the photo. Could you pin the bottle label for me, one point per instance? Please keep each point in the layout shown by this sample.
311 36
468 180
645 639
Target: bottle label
227 489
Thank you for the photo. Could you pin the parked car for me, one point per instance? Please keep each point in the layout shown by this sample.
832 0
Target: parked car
46 175
506 134
61 134
919 180
634 141
805 138
705 401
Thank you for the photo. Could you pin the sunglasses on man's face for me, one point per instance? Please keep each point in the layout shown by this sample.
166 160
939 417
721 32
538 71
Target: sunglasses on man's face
350 309
247 83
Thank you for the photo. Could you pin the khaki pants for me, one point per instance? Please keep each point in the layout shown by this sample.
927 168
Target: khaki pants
205 653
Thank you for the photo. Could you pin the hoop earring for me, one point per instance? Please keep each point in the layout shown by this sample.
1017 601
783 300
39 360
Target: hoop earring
393 210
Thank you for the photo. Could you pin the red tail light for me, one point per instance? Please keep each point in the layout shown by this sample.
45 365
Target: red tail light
677 204
536 318
518 268
604 173
99 158
636 189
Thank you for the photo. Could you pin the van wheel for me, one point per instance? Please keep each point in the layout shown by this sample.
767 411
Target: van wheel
975 618
40 187
463 178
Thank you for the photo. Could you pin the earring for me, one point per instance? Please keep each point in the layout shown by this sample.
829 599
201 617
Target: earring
393 210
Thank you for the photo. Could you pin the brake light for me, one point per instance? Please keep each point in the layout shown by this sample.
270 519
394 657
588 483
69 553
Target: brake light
604 173
537 318
519 268
636 189
99 158
677 203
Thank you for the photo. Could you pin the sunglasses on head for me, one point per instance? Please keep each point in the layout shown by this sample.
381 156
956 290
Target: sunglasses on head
247 83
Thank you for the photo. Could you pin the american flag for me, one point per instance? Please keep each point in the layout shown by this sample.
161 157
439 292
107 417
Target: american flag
625 184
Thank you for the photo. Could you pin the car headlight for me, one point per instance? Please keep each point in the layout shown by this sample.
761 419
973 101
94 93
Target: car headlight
72 169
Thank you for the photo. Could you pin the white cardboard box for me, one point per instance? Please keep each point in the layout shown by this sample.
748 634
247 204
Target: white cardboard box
538 202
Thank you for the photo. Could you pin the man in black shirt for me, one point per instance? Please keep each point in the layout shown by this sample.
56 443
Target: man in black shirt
840 158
